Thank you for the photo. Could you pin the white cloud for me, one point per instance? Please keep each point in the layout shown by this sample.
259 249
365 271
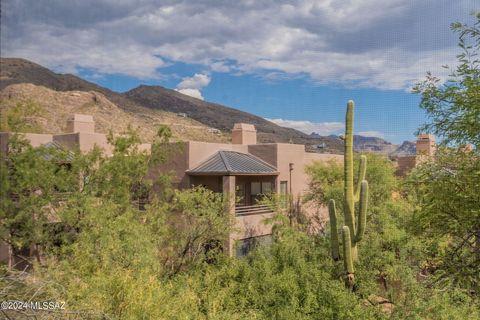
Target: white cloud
191 86
308 127
191 92
198 81
376 134
360 43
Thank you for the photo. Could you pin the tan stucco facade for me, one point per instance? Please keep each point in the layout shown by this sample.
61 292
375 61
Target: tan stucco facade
290 160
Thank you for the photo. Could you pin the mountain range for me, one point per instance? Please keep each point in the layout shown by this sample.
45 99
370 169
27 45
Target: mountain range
148 106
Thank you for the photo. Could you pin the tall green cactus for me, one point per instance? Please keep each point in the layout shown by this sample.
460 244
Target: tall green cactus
352 232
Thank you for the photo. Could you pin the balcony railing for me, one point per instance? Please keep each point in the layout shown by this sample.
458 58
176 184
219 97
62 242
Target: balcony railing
249 210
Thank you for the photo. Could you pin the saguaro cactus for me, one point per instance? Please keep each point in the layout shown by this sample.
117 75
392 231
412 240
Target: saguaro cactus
352 232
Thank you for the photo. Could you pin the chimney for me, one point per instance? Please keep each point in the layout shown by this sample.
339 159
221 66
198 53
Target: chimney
244 133
425 145
80 123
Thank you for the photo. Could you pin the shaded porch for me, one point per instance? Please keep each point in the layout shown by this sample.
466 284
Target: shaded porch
244 179
248 190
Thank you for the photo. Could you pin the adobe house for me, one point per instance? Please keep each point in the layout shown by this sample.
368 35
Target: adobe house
243 170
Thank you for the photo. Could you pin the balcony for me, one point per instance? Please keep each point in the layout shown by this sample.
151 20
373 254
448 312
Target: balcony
251 210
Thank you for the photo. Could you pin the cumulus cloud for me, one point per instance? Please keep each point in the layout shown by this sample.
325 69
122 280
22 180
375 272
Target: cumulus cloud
191 86
198 81
308 127
376 134
361 43
191 92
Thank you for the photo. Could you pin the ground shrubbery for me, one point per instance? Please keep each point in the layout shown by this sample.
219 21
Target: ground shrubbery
108 258
419 258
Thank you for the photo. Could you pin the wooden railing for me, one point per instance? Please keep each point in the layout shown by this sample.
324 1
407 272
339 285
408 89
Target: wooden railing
249 210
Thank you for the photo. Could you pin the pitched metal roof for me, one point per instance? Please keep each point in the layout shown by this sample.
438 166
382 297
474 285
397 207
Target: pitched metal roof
233 163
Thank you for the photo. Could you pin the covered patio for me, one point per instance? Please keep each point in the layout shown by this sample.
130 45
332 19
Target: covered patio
244 178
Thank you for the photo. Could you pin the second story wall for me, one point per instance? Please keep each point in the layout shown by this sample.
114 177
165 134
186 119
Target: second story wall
201 151
84 141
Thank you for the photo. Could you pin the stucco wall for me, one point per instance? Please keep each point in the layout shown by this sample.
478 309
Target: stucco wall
175 164
84 141
405 164
198 152
37 139
267 152
251 226
292 153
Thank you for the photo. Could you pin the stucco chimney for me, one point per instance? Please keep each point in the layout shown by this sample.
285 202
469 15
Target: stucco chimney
426 145
80 123
244 133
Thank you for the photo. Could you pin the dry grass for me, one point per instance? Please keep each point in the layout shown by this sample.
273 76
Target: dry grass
57 106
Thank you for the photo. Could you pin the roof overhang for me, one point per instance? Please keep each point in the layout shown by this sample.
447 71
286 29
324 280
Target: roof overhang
232 163
190 173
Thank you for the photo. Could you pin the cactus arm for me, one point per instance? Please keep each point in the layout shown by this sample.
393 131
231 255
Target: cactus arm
332 211
347 250
362 215
348 169
361 176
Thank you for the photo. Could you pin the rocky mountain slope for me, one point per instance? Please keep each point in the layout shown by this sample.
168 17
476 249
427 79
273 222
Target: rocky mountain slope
56 106
146 107
372 144
155 98
407 148
367 144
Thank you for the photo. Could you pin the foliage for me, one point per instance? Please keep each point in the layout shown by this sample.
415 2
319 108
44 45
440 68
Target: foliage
326 180
445 190
31 181
112 260
291 279
453 107
447 216
325 183
120 243
20 118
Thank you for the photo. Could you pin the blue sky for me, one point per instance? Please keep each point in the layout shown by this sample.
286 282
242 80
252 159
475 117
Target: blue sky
293 62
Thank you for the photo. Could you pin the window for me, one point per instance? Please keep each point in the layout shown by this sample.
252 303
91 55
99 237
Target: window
266 187
258 189
255 188
283 187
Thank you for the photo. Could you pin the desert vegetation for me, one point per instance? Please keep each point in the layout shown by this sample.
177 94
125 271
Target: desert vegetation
106 252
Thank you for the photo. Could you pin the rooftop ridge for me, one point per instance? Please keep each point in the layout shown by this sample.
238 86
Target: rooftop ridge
225 161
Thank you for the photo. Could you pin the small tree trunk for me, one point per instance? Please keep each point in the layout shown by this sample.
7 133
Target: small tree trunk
10 257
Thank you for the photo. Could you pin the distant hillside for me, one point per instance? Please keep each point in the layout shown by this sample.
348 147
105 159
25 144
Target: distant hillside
57 106
14 71
407 148
367 144
223 118
372 144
